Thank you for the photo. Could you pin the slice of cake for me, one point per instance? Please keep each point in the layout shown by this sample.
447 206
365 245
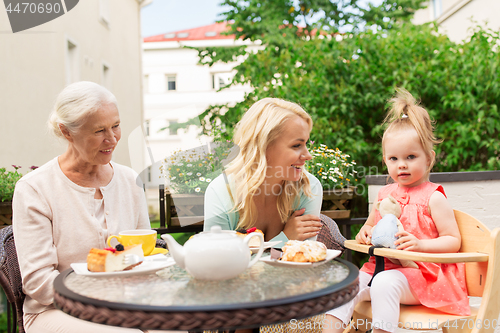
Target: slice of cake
111 259
254 241
303 251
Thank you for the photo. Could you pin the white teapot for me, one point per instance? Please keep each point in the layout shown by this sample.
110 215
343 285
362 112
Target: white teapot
214 255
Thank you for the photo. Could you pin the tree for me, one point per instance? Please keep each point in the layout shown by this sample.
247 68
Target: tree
344 80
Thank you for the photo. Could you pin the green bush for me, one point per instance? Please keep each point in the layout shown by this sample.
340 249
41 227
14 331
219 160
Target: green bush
345 86
3 323
8 180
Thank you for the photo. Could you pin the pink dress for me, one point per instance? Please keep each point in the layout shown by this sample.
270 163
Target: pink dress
437 286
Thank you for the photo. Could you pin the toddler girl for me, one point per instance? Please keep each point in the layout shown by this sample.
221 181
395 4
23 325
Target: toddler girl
429 224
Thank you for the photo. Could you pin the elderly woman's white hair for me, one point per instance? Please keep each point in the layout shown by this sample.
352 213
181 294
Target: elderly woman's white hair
76 102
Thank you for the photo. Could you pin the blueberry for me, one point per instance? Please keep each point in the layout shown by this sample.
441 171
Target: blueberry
119 247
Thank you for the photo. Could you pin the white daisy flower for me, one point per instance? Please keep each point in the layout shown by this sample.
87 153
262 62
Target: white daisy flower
208 180
198 174
197 189
202 179
189 173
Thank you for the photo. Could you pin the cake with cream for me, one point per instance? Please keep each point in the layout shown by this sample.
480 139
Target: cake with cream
303 251
111 259
254 241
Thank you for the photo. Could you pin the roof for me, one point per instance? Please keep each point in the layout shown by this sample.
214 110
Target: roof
207 32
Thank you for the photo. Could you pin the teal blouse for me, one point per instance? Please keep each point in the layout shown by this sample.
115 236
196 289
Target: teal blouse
219 204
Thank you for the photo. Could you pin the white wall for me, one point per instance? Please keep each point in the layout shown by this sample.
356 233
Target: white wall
477 198
455 19
33 70
194 93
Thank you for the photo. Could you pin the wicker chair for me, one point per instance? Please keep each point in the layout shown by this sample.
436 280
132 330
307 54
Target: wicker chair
10 280
330 235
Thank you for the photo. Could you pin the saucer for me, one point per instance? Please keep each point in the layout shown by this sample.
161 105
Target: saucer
159 250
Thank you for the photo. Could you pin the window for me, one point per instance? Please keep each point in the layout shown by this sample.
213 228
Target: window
106 76
220 80
71 62
171 86
438 8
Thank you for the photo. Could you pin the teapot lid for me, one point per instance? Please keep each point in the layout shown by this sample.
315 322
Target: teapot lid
216 233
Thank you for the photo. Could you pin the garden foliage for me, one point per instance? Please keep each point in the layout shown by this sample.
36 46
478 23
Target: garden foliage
345 80
191 171
8 180
333 168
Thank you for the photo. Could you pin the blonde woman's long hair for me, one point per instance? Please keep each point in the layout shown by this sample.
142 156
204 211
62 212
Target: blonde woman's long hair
406 113
261 125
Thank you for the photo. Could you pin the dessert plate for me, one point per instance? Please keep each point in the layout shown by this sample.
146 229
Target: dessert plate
266 246
330 254
148 266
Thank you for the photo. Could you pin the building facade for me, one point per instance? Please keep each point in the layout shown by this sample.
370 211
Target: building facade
99 41
177 88
456 17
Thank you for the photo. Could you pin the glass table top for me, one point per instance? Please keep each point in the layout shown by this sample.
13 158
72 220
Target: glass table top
174 287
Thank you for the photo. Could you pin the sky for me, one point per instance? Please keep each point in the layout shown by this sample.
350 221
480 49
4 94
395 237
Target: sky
162 16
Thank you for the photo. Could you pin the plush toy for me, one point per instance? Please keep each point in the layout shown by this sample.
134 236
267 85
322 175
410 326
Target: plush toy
383 234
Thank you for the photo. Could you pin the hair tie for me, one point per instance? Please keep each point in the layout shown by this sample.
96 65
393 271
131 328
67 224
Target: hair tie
404 116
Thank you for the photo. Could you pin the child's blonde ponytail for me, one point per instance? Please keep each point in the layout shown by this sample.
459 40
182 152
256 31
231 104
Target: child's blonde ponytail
405 113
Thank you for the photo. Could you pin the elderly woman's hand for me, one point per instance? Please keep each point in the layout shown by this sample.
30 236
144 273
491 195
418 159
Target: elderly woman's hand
301 227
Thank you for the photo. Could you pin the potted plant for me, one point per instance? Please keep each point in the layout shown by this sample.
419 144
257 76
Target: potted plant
187 175
336 172
8 180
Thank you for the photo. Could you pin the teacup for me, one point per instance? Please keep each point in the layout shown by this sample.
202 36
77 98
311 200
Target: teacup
145 237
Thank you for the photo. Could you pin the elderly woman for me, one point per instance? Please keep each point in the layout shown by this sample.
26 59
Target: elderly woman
72 203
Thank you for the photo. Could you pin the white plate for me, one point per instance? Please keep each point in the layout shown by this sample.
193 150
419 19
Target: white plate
330 254
148 266
266 246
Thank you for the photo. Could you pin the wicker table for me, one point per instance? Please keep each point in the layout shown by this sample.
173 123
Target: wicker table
171 299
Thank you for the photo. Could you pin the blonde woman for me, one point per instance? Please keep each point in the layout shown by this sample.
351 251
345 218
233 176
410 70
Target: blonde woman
266 186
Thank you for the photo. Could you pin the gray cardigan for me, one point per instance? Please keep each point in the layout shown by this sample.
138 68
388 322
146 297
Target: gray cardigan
54 224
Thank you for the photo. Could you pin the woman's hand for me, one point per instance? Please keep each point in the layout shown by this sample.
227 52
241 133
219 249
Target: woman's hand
301 227
407 241
364 235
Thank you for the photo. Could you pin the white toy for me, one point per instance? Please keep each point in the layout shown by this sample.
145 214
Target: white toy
384 233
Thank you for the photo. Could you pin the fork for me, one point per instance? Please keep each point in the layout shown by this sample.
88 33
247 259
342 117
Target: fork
132 259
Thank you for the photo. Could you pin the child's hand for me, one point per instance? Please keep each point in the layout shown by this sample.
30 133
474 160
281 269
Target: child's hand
407 241
364 235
